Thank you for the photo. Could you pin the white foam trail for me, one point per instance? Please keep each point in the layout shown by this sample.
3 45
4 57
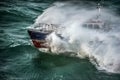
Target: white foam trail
101 47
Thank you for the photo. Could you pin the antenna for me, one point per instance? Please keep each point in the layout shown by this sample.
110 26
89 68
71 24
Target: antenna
99 6
99 10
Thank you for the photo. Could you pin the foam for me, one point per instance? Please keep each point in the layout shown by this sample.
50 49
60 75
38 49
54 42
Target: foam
101 47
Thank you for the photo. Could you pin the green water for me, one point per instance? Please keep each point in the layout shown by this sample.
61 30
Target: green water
19 60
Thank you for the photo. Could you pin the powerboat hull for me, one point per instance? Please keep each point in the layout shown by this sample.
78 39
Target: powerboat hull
38 38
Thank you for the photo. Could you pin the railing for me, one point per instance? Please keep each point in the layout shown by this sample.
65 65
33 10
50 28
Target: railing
47 27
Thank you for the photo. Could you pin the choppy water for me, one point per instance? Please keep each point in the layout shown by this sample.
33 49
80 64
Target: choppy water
21 61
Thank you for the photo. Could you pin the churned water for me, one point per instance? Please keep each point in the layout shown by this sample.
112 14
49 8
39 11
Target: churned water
19 60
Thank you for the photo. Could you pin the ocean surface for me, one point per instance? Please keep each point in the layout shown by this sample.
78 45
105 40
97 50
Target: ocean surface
20 60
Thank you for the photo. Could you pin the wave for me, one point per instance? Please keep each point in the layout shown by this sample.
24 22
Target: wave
101 47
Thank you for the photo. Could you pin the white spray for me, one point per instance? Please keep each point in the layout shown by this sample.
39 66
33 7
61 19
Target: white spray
101 47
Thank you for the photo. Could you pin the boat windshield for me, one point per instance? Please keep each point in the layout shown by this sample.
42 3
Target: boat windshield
93 25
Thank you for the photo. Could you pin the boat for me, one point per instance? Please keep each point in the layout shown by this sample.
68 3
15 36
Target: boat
96 23
39 33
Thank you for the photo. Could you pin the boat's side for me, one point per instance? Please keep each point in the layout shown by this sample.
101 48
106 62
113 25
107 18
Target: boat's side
38 38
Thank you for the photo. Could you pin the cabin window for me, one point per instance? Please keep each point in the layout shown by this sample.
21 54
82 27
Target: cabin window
90 26
84 25
96 26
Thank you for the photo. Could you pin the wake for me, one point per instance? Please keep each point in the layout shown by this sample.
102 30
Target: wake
100 46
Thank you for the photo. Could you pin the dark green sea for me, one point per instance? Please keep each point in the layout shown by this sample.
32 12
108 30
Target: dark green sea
19 60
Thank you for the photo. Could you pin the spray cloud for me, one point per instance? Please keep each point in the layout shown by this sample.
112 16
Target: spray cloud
102 47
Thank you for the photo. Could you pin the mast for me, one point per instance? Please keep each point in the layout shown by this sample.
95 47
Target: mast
99 10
